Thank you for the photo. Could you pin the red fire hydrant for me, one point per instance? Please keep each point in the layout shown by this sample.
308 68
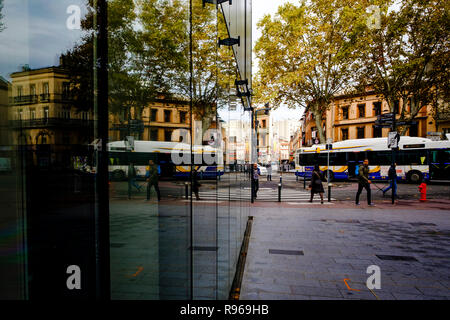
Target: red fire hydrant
423 192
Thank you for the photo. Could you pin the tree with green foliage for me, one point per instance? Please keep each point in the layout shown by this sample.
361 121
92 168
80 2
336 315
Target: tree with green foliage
407 59
307 54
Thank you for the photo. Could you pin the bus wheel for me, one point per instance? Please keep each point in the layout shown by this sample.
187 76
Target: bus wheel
415 176
118 175
330 174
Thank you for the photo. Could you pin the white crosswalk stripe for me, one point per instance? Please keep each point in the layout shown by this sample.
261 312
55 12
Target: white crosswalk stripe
266 194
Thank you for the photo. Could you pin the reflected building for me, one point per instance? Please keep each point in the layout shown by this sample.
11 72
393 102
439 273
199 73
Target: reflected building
172 226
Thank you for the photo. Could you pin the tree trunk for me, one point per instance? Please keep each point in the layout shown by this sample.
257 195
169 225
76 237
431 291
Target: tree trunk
318 119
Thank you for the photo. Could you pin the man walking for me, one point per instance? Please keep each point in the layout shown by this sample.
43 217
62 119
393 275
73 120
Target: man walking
152 179
255 178
392 175
364 182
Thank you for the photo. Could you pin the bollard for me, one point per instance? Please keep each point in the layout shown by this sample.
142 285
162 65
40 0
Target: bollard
329 193
279 192
186 190
304 181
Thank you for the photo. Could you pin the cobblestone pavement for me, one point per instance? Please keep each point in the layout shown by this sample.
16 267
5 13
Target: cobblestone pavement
306 253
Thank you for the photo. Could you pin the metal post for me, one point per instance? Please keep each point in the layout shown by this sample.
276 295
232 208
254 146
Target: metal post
394 128
186 189
296 176
279 192
329 193
304 180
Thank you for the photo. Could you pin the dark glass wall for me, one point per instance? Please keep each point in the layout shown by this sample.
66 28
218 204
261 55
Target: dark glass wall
123 148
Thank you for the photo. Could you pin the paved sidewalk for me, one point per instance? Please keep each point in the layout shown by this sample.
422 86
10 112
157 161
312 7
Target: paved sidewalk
306 253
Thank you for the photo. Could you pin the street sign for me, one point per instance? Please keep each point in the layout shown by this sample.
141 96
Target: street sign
393 140
402 123
383 126
386 115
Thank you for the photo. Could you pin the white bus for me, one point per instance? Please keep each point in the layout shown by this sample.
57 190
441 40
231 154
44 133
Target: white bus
417 159
172 158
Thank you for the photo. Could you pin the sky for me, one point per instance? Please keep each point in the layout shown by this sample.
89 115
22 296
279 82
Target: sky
259 9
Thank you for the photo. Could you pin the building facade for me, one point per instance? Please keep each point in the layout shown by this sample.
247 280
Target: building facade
354 116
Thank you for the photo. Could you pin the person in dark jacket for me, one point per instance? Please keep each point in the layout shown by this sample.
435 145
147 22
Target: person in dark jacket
364 182
316 183
152 179
195 184
392 175
255 179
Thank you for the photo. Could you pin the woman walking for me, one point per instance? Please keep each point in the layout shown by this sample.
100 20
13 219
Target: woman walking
316 183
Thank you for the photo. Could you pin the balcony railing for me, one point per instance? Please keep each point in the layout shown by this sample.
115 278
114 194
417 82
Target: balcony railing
50 122
20 100
42 98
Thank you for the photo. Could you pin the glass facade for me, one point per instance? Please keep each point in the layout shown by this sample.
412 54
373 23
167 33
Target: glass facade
125 144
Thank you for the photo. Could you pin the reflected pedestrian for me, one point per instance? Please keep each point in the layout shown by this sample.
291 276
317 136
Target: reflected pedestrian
364 182
392 176
152 179
316 183
255 178
132 179
195 184
269 172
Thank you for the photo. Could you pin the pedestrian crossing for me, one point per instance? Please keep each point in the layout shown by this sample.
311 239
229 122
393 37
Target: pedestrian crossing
264 194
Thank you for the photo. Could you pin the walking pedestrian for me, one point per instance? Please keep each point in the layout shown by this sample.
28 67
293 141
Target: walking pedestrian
255 177
132 179
269 172
195 184
152 179
364 182
392 176
316 183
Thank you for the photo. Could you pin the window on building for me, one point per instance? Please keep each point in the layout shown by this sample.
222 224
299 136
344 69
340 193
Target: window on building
377 108
154 134
345 113
264 123
233 139
414 130
66 90
32 89
377 132
344 133
45 88
19 91
32 113
167 135
153 114
396 106
19 114
46 113
360 133
167 116
362 110
183 116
